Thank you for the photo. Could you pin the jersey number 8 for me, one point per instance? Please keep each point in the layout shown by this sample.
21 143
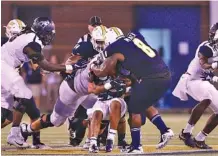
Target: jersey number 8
146 49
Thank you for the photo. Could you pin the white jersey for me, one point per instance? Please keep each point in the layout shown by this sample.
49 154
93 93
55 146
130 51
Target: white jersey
12 52
194 68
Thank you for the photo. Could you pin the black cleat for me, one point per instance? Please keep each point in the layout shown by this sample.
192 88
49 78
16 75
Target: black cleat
201 144
187 139
123 145
109 145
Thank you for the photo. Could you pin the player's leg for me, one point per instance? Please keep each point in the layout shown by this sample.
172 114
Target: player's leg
6 117
121 129
95 129
96 114
15 84
143 95
7 102
76 127
166 133
210 125
197 111
117 109
208 95
34 114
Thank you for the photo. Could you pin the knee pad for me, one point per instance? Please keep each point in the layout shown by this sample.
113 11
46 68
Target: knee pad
21 104
47 122
32 111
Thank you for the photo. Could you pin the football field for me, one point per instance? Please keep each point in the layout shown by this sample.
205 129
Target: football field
57 138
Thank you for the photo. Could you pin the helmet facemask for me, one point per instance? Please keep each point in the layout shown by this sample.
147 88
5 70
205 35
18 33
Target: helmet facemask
213 36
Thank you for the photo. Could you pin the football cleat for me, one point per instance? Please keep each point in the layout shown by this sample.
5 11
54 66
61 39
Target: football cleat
16 139
86 144
201 144
123 146
40 146
134 150
109 145
165 138
187 139
93 148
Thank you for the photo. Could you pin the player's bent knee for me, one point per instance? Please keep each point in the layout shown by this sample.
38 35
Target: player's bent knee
57 120
98 114
46 121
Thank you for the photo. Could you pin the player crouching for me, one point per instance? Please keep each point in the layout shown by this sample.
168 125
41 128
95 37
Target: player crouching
110 106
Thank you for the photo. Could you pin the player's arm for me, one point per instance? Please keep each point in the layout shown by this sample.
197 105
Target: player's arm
33 51
205 53
108 67
95 89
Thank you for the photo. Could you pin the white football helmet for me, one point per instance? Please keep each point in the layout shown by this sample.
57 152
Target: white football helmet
98 37
14 27
112 35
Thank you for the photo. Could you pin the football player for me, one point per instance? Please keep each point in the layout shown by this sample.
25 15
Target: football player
194 83
14 27
133 53
24 47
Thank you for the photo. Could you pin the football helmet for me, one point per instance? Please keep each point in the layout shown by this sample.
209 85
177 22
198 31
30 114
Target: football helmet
213 36
98 37
14 27
112 35
44 29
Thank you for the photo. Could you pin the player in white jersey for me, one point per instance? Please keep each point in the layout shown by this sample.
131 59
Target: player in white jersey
24 47
110 106
194 83
14 27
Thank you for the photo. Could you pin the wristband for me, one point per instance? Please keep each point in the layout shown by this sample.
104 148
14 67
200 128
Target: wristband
214 65
107 86
69 68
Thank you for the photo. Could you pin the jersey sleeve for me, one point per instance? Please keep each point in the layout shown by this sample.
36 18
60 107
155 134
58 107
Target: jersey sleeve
206 51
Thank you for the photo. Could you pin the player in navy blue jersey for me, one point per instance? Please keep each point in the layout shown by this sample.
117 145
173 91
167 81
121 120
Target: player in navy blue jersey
133 57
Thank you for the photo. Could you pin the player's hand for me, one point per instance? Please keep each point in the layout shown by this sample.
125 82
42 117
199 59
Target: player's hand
80 64
215 79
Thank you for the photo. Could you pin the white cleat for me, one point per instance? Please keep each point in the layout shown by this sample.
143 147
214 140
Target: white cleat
165 138
40 146
86 145
16 138
133 150
93 148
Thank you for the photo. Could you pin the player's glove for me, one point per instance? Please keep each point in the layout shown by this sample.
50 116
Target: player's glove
114 84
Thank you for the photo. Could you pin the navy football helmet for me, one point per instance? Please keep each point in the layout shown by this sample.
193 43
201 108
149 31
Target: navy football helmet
44 29
213 35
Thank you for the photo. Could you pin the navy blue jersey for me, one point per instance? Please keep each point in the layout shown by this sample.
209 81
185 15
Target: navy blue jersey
140 58
84 49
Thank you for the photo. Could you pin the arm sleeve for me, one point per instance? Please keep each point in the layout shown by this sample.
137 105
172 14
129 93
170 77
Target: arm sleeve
206 51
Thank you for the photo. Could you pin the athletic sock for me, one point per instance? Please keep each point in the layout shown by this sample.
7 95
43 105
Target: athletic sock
93 140
36 138
159 123
121 137
136 138
111 134
188 128
201 136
